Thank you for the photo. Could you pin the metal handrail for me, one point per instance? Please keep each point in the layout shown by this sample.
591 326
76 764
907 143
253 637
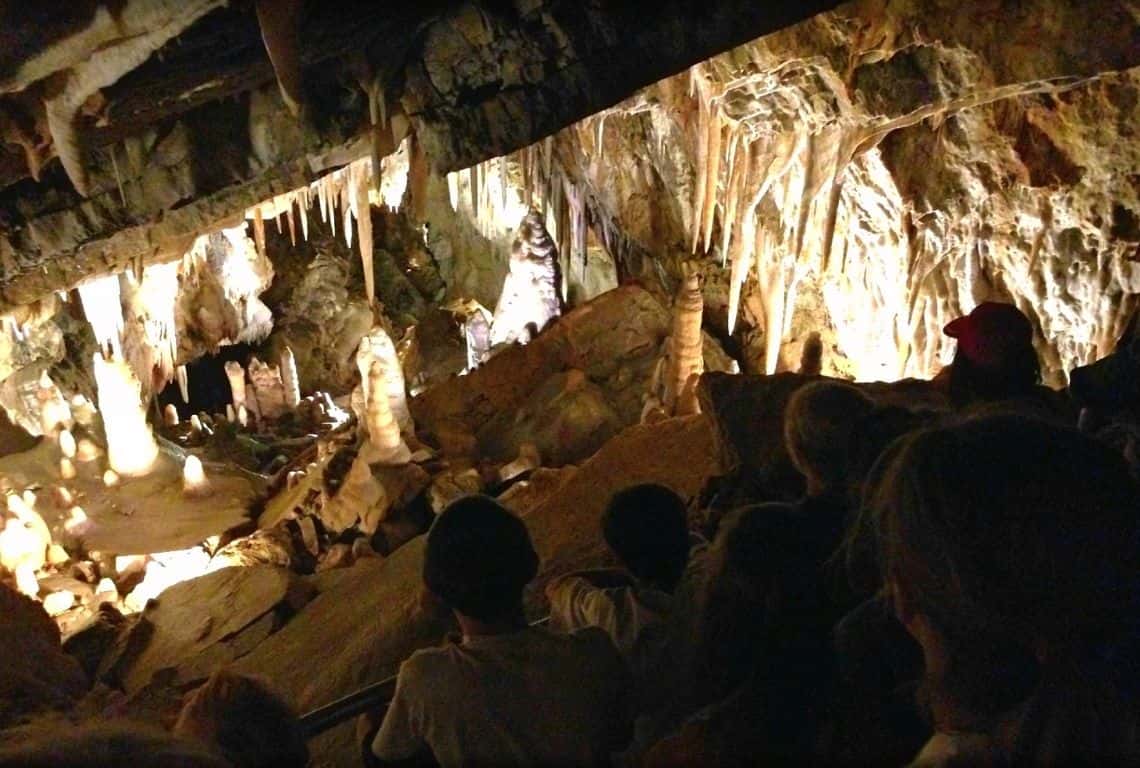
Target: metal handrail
369 698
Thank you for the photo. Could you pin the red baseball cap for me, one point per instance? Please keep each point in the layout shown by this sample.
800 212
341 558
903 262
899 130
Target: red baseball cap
991 333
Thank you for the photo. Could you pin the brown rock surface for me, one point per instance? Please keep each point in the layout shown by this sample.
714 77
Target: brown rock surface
204 623
614 340
35 674
367 618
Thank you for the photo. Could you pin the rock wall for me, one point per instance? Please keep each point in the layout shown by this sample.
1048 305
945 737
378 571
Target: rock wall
879 169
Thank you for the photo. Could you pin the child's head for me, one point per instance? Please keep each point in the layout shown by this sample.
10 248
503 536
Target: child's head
246 720
479 558
1014 544
820 424
645 526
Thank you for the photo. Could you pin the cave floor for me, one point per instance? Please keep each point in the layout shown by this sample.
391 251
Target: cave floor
138 516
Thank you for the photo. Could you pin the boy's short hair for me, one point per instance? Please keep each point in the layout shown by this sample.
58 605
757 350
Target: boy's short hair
820 423
246 720
646 527
479 557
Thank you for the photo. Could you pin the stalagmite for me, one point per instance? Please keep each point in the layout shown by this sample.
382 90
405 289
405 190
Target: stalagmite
242 416
77 522
685 358
387 445
196 423
66 469
289 381
170 415
268 389
110 478
377 348
811 357
86 450
532 291
194 482
131 448
235 374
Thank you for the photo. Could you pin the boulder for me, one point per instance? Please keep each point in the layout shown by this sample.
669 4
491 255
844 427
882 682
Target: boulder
35 674
355 633
614 340
567 418
566 526
201 624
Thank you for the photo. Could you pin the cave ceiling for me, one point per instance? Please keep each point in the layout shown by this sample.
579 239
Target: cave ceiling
129 127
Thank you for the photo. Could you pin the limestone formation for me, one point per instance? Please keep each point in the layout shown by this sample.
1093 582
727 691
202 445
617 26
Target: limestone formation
385 444
289 379
532 291
377 349
268 389
131 448
683 351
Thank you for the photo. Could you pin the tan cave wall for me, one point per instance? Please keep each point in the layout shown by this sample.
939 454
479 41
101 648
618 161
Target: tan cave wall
877 170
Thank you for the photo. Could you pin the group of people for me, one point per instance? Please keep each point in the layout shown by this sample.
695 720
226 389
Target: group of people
959 588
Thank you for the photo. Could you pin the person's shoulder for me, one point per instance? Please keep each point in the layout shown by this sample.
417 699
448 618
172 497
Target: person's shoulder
427 665
593 643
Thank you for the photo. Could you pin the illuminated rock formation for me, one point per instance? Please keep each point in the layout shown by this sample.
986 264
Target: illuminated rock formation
131 448
377 349
532 291
683 354
289 379
268 389
386 446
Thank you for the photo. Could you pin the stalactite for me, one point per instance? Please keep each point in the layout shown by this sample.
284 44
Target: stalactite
743 239
697 86
306 201
323 199
102 306
259 231
292 222
131 448
735 175
453 190
716 132
418 174
183 383
364 237
280 22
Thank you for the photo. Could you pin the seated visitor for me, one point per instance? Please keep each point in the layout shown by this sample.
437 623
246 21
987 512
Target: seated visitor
827 426
764 673
995 360
507 693
242 718
645 527
1010 549
110 744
